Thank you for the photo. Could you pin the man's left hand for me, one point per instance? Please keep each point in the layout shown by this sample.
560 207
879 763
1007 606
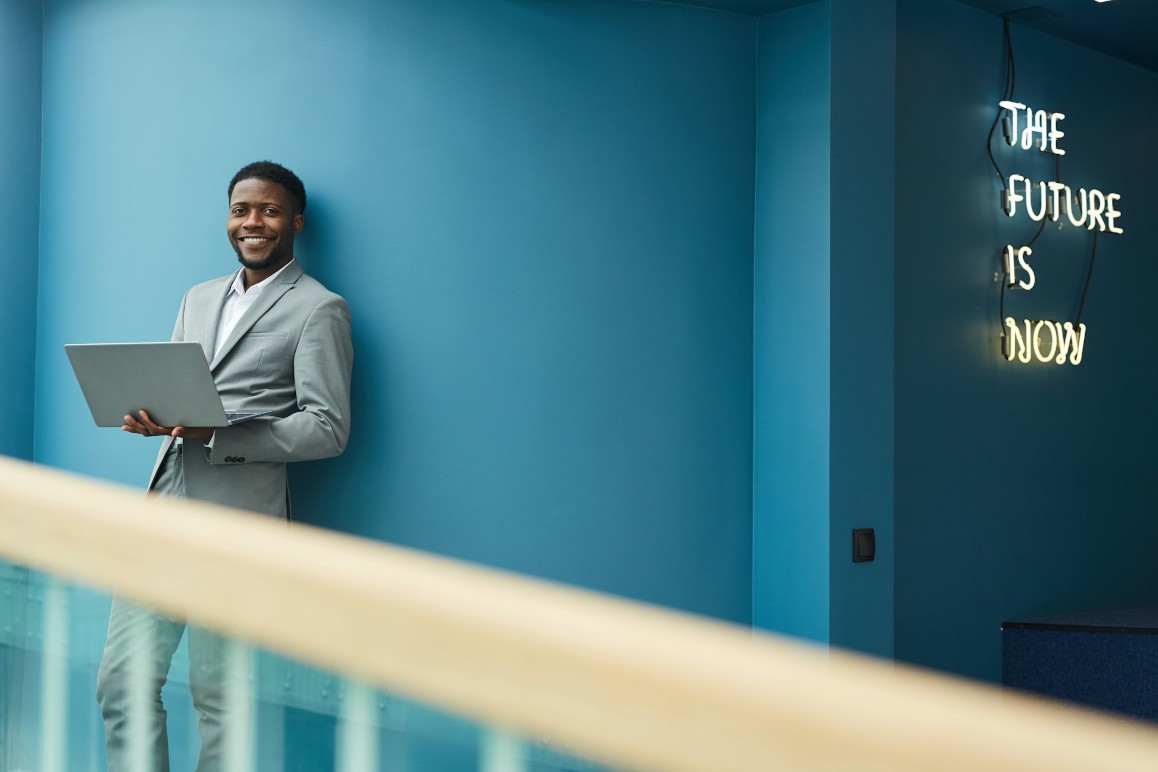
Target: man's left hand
202 435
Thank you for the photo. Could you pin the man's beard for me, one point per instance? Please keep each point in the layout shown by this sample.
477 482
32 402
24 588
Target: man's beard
276 255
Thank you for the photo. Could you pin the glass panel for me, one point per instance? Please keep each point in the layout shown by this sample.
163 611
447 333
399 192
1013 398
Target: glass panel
302 718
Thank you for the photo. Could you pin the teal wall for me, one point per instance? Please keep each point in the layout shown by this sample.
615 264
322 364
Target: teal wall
20 35
863 163
823 300
791 338
540 213
648 298
1020 490
997 491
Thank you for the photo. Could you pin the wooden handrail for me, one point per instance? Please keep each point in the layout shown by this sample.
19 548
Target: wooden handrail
623 682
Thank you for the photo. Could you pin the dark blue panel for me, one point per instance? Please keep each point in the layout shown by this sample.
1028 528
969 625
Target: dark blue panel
1107 660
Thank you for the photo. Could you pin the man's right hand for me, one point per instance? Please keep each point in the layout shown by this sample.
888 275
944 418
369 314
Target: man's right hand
146 428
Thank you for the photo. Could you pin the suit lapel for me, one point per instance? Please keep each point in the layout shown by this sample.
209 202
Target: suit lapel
265 301
209 338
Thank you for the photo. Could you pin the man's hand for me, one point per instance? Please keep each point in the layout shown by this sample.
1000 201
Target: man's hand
146 428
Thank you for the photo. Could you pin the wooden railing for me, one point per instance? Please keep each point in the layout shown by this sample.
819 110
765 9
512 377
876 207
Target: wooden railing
628 684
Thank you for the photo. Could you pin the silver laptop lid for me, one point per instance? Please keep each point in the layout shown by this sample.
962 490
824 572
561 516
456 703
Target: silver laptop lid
171 381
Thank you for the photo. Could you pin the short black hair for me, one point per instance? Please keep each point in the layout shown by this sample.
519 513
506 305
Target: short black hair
268 170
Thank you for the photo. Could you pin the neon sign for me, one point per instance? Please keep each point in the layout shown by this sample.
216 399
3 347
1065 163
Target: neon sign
1092 209
1064 340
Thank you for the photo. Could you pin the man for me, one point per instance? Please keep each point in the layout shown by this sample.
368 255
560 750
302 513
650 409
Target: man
277 341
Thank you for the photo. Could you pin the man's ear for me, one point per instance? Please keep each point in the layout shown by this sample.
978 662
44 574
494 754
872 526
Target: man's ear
299 223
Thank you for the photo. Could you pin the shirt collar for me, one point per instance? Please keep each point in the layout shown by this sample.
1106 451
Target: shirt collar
238 285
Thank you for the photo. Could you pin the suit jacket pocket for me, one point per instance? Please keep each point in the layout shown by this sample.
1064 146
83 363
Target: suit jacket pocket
267 353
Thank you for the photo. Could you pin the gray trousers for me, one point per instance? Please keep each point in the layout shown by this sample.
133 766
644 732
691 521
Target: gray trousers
139 650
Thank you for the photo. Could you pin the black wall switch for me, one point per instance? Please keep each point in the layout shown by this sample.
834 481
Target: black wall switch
864 545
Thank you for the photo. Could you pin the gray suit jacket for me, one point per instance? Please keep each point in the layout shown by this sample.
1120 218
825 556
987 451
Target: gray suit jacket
290 353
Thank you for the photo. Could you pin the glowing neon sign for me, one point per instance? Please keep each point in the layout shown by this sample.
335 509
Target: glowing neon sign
1064 340
1091 209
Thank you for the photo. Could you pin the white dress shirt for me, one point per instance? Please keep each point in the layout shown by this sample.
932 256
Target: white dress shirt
237 302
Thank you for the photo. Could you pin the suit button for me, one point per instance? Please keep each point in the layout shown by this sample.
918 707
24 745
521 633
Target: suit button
241 459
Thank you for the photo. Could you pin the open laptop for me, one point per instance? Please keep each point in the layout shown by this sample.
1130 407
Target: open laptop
170 381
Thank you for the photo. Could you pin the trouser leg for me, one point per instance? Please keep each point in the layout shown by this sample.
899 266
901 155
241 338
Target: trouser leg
208 676
139 651
138 654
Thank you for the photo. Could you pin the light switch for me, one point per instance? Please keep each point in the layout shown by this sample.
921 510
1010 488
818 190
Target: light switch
864 545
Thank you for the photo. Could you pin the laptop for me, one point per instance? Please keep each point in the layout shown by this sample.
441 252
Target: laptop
170 381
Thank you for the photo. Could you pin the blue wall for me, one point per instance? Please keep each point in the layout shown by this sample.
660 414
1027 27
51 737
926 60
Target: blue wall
997 490
791 285
823 298
20 33
863 243
1020 490
575 234
540 213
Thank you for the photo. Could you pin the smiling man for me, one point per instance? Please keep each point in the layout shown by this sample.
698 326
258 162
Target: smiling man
278 344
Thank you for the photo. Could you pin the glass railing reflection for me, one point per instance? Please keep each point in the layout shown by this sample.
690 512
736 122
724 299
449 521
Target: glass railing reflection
279 715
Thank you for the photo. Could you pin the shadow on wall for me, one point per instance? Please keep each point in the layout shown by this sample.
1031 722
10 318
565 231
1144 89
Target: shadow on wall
322 491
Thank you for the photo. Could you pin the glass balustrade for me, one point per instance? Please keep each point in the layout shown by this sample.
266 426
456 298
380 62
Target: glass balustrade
281 715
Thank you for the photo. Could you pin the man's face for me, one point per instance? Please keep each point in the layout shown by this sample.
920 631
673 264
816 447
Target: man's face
262 224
